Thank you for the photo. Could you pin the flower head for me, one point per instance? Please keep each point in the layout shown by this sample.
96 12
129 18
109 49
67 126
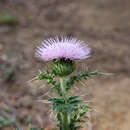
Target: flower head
62 48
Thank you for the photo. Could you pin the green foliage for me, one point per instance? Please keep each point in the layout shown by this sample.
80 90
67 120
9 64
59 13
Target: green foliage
7 19
57 103
34 128
5 122
57 89
79 116
40 129
79 77
74 108
70 111
28 119
48 76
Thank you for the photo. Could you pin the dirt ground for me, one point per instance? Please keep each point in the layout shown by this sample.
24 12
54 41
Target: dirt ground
103 24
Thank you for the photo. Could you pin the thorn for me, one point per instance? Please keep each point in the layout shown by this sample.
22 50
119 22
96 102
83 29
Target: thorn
83 83
35 78
40 71
44 101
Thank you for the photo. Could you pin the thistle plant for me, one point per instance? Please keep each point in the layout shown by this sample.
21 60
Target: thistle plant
63 53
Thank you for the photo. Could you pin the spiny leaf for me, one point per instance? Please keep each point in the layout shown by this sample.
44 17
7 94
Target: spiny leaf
59 116
81 76
73 97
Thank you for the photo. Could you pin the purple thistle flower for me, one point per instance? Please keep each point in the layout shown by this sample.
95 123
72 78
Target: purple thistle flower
62 48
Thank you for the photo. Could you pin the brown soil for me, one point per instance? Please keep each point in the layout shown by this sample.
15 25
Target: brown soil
103 24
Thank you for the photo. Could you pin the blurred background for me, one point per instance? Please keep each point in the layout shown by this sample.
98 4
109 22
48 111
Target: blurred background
103 24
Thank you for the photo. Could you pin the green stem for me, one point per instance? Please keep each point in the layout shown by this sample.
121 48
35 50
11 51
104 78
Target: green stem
65 121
